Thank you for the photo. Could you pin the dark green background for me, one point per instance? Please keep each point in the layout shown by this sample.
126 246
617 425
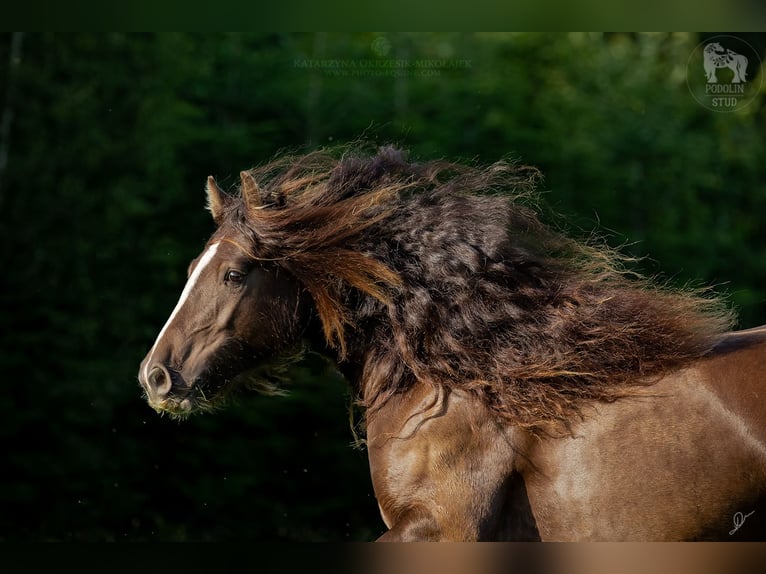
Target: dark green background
111 137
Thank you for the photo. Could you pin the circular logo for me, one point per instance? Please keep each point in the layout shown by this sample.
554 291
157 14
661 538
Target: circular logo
381 46
721 73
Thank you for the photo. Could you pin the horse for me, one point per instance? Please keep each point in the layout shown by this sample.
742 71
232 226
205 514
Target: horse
716 56
517 383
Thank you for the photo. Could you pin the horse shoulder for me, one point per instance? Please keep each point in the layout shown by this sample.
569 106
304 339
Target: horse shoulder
440 466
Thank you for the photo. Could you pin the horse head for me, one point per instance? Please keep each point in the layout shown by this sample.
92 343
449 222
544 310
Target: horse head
235 314
715 47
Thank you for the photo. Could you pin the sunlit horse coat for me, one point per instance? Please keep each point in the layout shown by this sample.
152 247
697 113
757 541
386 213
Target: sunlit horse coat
518 384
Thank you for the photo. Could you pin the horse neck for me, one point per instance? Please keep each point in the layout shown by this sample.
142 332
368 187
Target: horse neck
359 341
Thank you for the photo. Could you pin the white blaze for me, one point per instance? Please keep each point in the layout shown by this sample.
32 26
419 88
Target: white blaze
206 258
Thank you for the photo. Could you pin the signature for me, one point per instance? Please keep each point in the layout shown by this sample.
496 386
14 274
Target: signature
739 520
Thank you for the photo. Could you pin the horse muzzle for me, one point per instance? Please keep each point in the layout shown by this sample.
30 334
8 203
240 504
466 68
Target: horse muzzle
165 389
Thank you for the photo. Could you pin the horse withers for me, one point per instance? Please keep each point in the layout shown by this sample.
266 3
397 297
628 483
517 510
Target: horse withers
517 384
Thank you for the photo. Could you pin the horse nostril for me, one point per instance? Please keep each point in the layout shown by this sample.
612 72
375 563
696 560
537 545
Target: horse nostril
159 381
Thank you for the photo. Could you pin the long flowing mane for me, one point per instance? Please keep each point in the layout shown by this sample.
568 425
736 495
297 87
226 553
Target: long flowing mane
445 273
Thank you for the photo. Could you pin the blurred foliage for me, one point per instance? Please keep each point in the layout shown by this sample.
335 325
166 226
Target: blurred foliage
111 139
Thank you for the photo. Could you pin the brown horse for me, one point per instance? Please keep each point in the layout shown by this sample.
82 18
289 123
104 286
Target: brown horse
517 384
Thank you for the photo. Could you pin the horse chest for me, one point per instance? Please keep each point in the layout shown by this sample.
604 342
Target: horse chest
439 472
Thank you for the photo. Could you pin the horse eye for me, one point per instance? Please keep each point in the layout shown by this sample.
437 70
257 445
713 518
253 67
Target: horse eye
234 276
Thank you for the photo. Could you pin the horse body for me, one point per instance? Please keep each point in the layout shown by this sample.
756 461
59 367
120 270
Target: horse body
715 56
676 464
517 385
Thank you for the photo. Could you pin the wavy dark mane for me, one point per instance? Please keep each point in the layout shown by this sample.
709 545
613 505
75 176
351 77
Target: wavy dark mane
446 273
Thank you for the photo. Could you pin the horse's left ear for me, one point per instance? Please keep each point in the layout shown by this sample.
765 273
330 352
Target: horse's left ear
216 200
251 193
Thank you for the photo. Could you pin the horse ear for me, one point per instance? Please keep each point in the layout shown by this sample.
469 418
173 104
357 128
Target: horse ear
216 199
251 193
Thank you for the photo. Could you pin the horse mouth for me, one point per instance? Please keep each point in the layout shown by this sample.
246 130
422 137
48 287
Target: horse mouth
176 407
